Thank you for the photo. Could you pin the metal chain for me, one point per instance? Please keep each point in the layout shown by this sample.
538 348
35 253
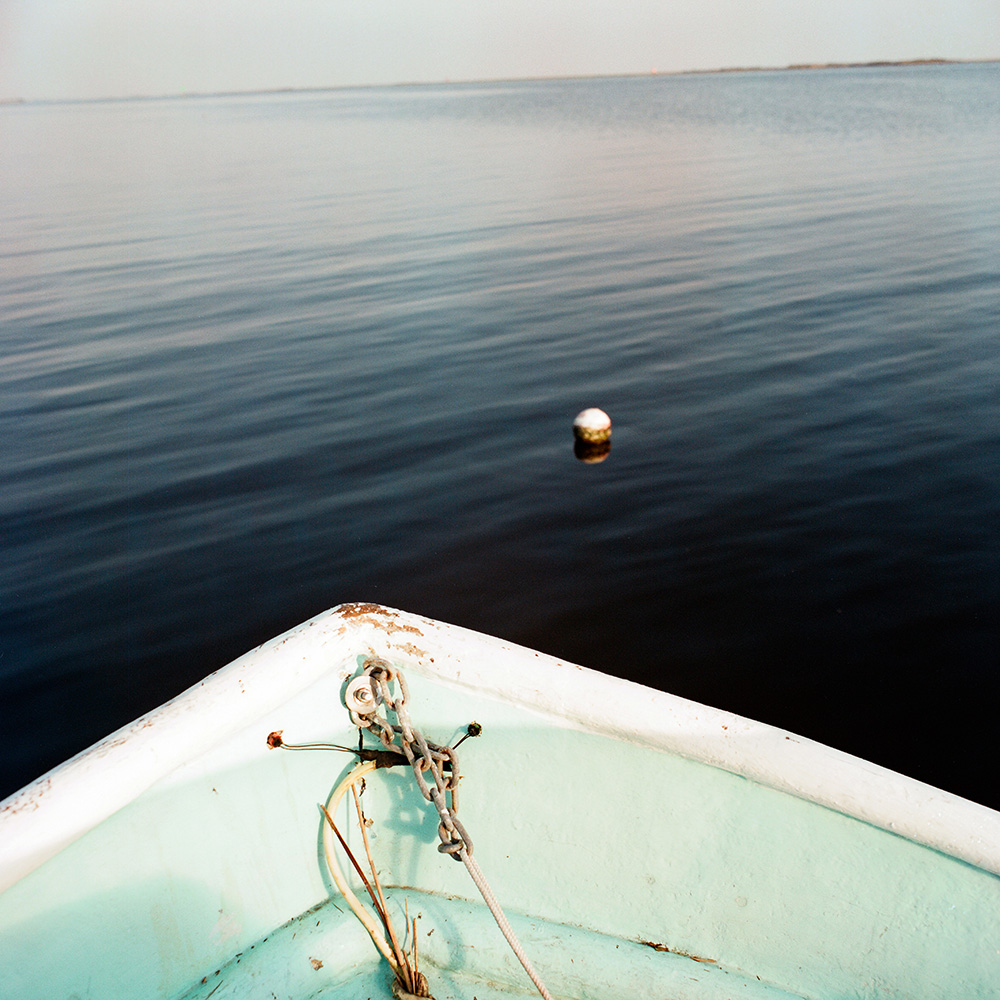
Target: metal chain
428 757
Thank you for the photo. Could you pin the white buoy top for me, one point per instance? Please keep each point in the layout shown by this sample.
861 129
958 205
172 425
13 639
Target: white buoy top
592 425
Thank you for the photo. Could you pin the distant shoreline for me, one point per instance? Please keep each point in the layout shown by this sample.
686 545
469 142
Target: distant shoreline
319 89
877 63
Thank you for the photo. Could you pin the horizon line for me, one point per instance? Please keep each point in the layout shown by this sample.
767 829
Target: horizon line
327 88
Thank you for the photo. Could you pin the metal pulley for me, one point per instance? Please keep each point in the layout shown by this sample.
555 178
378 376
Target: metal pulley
362 696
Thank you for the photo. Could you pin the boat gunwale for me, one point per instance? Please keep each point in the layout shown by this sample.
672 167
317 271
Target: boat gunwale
62 805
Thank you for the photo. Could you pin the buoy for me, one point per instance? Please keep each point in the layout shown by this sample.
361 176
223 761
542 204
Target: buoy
593 426
592 431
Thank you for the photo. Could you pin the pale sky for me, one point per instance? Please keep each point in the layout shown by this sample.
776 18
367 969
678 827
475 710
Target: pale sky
51 49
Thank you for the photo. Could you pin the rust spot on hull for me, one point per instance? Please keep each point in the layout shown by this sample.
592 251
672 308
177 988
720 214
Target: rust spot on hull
411 650
376 616
656 946
360 610
27 799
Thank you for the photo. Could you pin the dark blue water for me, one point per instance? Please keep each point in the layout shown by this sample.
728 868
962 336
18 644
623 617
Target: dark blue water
264 354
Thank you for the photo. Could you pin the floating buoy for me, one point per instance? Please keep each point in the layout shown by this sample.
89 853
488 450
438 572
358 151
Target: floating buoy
592 430
592 425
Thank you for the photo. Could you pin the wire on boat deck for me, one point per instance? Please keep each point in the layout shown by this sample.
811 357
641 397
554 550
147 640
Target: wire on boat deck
360 911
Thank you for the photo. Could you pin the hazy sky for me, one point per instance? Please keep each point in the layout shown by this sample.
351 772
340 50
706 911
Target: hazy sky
94 48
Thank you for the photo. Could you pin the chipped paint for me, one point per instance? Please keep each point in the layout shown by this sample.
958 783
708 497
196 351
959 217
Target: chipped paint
410 650
377 617
357 609
28 799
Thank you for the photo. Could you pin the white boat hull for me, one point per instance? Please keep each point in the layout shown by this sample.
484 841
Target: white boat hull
634 837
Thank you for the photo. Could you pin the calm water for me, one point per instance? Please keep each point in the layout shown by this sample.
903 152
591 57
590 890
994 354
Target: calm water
264 354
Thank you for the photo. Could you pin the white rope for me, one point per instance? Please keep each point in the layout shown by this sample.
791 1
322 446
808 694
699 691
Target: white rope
501 918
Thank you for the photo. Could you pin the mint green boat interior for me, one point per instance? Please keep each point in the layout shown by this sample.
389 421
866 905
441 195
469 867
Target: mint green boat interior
641 845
